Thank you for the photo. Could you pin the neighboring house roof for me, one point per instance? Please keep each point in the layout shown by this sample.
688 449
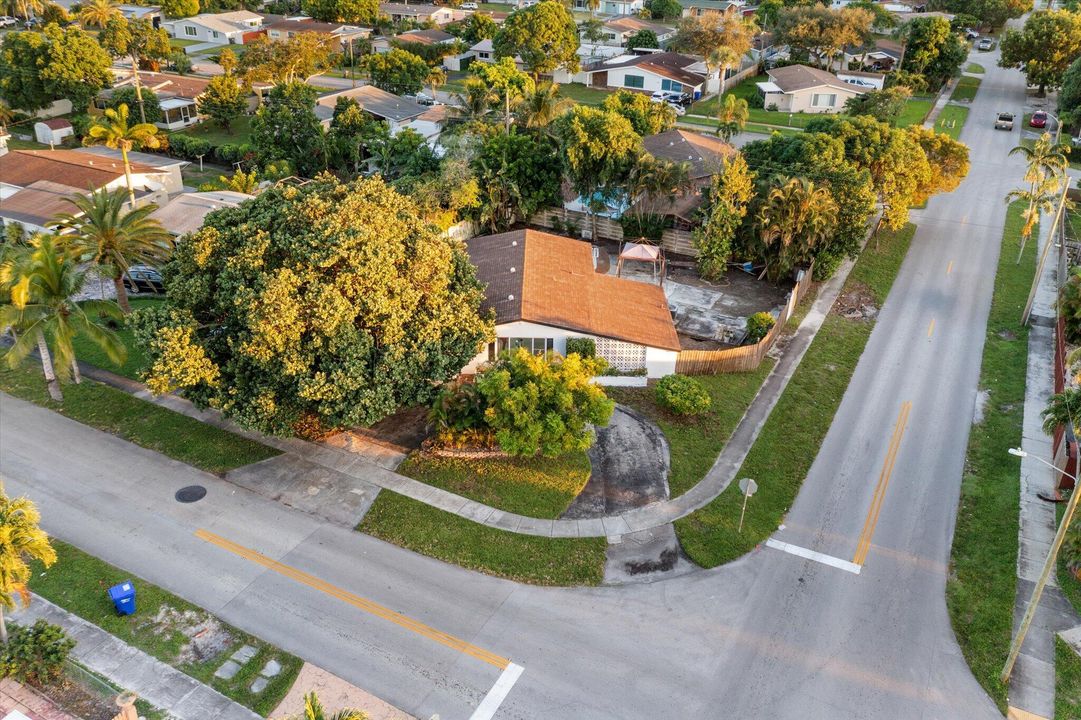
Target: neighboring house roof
163 83
708 4
139 11
56 123
794 78
704 153
425 37
418 9
155 162
375 102
185 212
892 48
68 167
632 24
39 202
483 46
548 279
315 26
227 22
673 66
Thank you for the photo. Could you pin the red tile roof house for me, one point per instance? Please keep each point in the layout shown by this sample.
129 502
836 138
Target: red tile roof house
544 290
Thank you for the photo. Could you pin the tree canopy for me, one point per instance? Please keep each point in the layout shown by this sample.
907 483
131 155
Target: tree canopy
314 307
58 63
283 61
364 12
544 36
180 8
644 38
396 71
477 27
1046 46
286 128
1069 95
645 116
932 50
225 99
727 205
883 105
819 33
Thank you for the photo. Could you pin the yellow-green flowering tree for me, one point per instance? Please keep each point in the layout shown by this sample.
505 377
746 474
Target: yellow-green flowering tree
322 306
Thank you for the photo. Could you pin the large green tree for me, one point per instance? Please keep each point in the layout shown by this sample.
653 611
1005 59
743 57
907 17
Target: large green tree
883 105
127 95
518 175
322 306
728 202
225 99
508 82
1049 42
350 130
795 217
1069 95
646 117
820 33
477 27
180 8
544 36
364 12
932 50
397 71
37 69
283 61
138 41
286 128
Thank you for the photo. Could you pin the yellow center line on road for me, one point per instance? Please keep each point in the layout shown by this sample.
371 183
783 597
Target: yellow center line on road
356 601
931 328
864 544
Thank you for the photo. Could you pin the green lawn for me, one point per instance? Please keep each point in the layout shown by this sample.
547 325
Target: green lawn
239 132
966 89
1067 682
584 95
710 125
695 442
180 43
982 580
760 116
17 144
535 487
974 68
526 558
791 437
78 582
951 120
136 360
143 423
915 111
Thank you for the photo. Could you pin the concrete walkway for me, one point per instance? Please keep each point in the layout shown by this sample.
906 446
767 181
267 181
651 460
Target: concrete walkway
366 473
161 685
1032 685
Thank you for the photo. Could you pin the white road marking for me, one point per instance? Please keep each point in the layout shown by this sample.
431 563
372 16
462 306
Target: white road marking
495 697
813 555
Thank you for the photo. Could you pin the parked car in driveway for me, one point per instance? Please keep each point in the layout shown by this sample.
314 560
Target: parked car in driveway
143 279
985 44
1038 119
469 6
8 21
1004 121
971 34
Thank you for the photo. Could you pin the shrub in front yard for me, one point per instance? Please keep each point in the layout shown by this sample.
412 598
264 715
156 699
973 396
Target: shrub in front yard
682 395
758 326
36 653
586 347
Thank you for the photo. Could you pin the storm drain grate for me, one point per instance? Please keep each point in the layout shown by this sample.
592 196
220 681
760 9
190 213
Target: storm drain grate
191 493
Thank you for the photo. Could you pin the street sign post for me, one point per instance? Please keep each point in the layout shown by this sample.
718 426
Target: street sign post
748 487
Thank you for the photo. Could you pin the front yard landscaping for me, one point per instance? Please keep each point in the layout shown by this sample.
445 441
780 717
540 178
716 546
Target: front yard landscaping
791 437
525 558
239 132
982 583
165 626
915 111
143 423
537 487
974 68
131 368
952 120
1067 681
760 116
694 442
966 89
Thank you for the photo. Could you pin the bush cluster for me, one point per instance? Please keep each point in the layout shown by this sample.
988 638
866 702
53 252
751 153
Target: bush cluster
189 147
35 654
585 347
758 326
682 395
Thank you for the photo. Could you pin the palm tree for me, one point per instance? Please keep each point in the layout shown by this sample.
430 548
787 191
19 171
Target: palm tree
97 13
313 710
42 309
21 540
474 102
594 6
540 108
115 132
1045 161
437 78
721 57
1041 198
26 8
1063 408
796 216
732 117
113 239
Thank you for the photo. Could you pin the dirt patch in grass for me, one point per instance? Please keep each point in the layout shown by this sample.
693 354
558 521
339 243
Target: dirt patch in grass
856 302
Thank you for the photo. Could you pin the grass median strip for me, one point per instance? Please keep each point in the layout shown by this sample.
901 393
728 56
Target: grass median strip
694 442
173 630
143 423
535 487
982 581
445 536
791 437
1067 681
966 89
952 120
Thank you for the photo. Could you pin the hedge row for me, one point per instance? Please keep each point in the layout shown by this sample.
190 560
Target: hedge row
187 147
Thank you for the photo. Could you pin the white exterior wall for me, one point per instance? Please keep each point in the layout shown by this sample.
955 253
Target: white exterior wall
621 7
46 135
650 81
658 362
801 101
202 33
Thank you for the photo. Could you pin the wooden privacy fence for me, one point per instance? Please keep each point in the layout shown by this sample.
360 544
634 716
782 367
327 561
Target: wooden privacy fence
679 242
744 358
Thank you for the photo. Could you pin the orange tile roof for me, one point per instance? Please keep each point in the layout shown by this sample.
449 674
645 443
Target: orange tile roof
68 167
549 279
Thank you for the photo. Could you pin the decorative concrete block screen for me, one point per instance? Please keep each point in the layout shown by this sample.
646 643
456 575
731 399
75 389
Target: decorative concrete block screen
621 355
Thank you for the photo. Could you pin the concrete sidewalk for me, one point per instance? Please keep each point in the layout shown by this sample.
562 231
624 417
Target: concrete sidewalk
1032 685
161 685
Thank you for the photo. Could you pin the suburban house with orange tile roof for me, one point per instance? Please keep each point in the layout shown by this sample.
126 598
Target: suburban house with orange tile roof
543 289
651 72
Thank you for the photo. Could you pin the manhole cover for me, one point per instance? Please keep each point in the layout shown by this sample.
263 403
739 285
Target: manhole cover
191 493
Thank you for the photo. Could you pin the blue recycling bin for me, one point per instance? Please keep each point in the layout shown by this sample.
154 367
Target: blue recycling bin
123 597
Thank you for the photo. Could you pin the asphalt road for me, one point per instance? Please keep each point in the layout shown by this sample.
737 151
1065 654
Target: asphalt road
769 636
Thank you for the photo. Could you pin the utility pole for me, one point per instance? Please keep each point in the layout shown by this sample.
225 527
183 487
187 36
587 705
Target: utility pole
1055 230
352 64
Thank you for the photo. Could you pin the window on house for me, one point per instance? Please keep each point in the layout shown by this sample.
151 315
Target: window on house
537 346
634 81
214 34
824 100
190 30
485 56
671 85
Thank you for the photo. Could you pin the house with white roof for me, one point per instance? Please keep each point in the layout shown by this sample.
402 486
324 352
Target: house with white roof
185 212
228 28
620 29
612 7
420 12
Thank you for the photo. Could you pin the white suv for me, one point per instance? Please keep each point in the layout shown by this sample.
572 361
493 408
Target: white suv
8 21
